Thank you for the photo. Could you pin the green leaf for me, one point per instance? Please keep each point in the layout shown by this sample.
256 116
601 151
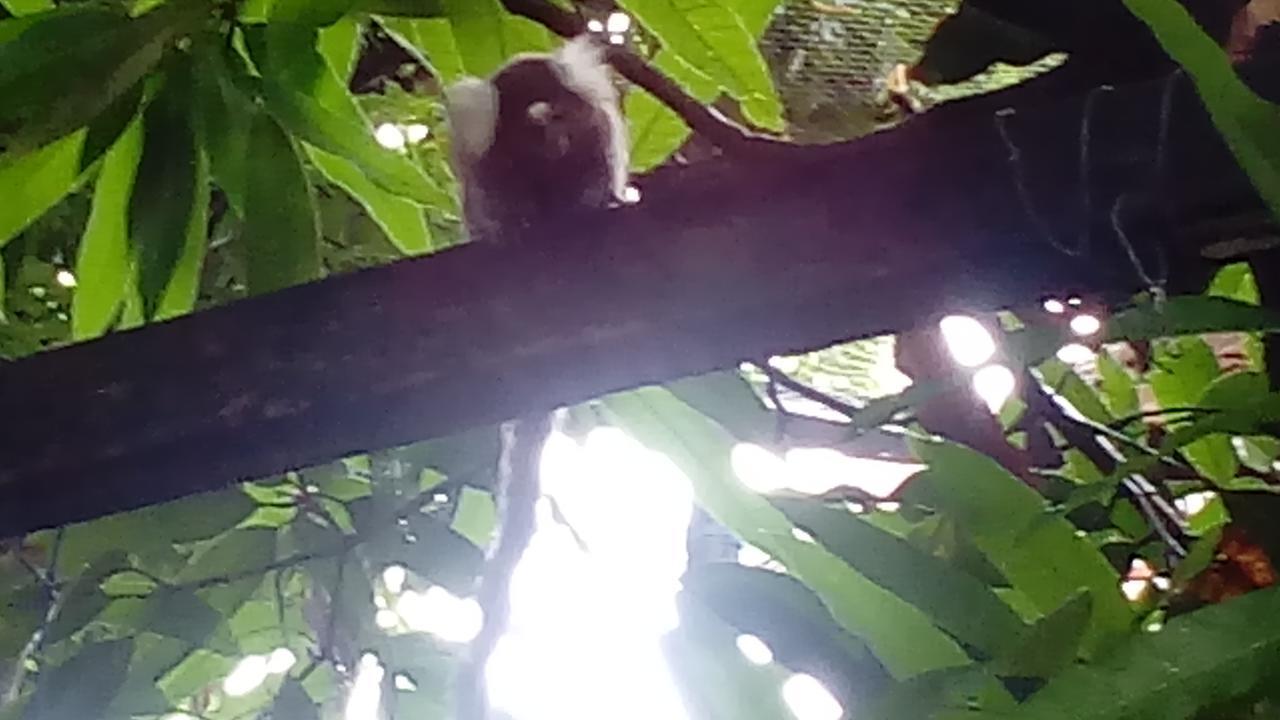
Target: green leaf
1116 387
98 55
85 599
1235 282
169 202
431 42
281 231
402 220
1040 554
900 635
1189 315
957 602
339 45
1249 124
18 8
310 12
713 39
293 703
476 516
714 678
656 131
226 115
84 684
487 35
35 182
1052 643
1197 660
434 551
179 613
102 263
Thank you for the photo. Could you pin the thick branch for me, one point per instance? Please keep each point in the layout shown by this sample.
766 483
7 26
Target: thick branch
720 262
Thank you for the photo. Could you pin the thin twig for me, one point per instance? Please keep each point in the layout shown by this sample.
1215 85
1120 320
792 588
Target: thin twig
702 119
799 388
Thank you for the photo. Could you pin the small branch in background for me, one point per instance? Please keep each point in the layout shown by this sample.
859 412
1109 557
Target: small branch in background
702 119
53 598
784 380
517 490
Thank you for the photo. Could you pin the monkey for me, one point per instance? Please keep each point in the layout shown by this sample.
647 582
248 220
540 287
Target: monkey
541 141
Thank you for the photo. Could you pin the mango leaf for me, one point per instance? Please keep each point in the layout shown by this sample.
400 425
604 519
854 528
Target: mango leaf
1189 315
35 182
102 261
714 678
84 684
1039 553
98 54
293 703
956 601
487 35
713 39
656 131
281 231
431 42
1249 124
1197 660
900 635
226 115
310 12
168 205
18 8
948 694
339 45
1052 643
179 613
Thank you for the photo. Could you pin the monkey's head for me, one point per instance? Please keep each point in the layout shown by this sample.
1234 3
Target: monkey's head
543 133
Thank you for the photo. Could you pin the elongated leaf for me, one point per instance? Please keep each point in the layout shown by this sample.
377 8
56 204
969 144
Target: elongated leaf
99 56
656 131
1116 387
180 614
1052 642
402 220
1040 554
713 39
293 703
310 12
487 35
169 201
18 8
339 45
1206 657
102 263
83 685
1249 124
431 42
282 231
226 115
84 599
900 635
35 182
1190 315
957 602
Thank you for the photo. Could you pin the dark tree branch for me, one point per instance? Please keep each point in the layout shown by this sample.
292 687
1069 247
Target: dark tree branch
722 261
702 119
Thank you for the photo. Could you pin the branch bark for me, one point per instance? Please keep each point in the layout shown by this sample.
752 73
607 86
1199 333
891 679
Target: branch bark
721 261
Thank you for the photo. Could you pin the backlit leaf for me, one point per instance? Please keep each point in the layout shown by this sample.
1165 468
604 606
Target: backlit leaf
35 182
84 684
281 231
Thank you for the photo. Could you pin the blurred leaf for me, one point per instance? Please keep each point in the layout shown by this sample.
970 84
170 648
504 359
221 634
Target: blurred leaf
102 264
957 602
1199 557
900 635
84 684
434 551
293 703
1235 282
98 54
281 232
84 599
339 45
169 201
402 220
309 12
1189 315
431 42
1041 554
226 116
712 38
714 678
1199 659
35 182
487 35
1116 387
476 516
180 614
26 7
1052 643
656 130
727 398
1249 124
947 694
1067 384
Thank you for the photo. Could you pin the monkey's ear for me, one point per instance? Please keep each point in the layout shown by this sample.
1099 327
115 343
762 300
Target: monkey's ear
472 106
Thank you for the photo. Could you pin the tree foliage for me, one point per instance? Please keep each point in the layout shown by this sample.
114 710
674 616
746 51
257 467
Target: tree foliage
161 156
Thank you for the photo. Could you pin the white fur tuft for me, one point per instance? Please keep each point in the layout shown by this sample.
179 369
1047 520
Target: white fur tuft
582 67
472 105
